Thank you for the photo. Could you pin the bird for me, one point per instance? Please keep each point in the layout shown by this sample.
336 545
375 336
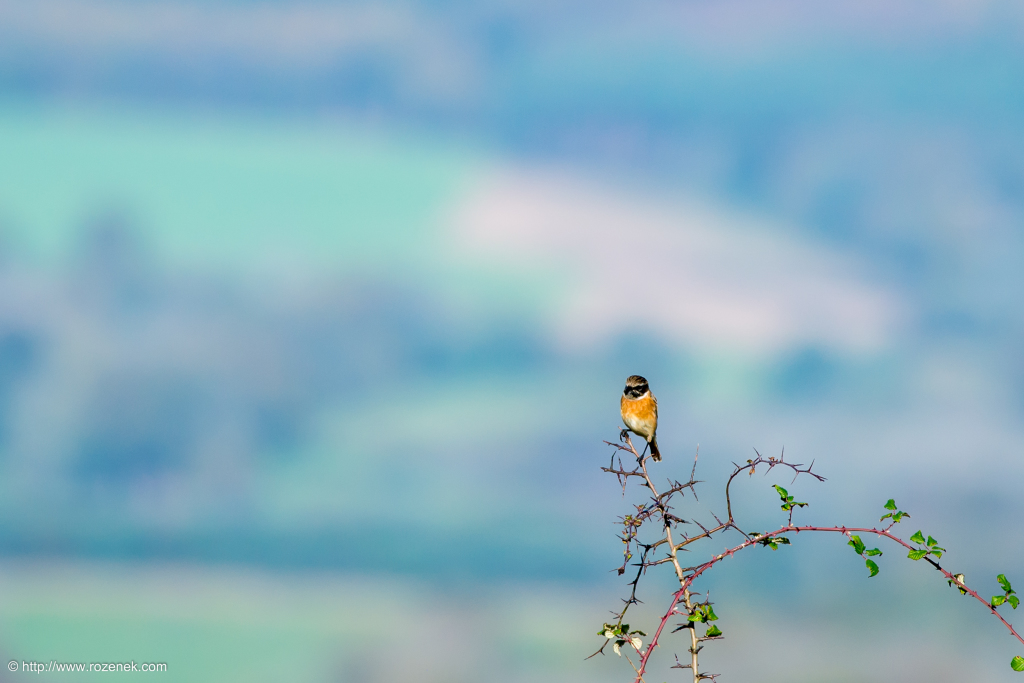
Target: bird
640 411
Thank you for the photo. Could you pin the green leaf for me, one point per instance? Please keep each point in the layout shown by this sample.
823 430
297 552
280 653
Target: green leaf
1004 583
772 542
713 631
917 554
873 552
1013 600
872 567
936 552
896 516
1017 664
783 493
932 541
858 545
891 505
711 613
997 600
918 537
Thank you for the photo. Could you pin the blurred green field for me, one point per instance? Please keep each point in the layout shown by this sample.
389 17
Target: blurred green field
229 624
225 191
224 625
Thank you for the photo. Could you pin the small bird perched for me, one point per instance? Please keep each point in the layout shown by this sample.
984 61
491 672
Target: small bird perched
640 411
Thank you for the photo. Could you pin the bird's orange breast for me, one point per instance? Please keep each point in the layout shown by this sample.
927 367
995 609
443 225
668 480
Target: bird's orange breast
640 414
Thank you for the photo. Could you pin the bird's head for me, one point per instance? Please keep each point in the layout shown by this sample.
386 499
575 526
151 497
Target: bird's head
636 386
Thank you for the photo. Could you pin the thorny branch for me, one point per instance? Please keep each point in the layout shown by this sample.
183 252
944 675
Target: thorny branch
682 603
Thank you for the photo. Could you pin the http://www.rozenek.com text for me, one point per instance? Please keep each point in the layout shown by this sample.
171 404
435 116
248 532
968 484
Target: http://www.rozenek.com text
54 666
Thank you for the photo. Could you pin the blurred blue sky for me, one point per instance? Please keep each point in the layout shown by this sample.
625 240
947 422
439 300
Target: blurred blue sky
336 300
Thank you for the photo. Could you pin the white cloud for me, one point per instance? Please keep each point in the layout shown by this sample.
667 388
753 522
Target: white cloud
692 272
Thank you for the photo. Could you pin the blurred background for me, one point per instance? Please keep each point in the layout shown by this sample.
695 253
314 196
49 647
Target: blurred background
314 316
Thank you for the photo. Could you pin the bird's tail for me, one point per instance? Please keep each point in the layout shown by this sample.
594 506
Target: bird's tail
655 453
